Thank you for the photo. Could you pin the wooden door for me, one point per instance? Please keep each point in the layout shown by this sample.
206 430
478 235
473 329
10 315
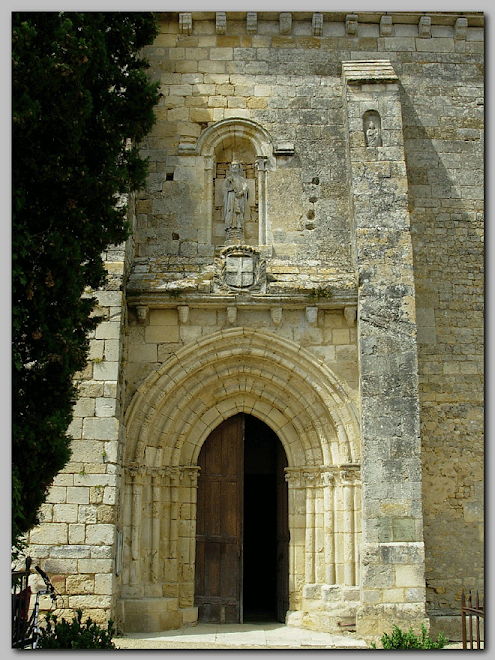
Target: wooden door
283 536
218 575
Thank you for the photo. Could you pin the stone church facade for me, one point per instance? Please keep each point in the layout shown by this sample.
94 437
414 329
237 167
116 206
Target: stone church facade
283 407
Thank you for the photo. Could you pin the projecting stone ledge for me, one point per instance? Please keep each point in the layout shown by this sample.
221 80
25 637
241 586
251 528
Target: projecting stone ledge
357 72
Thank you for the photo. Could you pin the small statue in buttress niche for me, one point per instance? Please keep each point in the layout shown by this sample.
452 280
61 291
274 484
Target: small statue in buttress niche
372 130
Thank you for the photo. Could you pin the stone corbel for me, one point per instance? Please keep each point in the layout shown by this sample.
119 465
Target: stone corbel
221 22
276 314
251 22
285 22
317 24
386 26
185 23
232 314
424 27
183 311
461 26
350 314
142 312
351 24
312 315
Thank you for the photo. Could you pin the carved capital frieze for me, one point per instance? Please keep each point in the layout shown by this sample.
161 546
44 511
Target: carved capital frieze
185 475
350 474
310 477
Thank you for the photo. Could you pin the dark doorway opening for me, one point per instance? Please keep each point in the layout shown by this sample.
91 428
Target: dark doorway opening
265 524
242 533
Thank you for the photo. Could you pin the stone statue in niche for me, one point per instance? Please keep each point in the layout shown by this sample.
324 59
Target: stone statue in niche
235 194
372 130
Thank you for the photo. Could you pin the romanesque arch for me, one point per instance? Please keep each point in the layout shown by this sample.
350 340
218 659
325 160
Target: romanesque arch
232 371
243 370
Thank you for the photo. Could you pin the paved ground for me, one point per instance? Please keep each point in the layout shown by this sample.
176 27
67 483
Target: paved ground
243 636
240 636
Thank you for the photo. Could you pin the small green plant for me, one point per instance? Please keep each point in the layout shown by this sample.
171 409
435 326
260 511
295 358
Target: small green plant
408 640
75 634
321 293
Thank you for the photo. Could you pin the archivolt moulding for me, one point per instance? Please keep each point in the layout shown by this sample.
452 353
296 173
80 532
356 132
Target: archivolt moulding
242 370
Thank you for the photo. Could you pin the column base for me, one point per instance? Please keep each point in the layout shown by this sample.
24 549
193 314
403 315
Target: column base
373 621
154 615
327 608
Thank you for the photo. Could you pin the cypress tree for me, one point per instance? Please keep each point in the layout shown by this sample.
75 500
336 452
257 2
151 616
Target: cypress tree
81 103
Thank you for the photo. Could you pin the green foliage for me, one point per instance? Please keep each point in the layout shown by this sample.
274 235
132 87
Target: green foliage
321 293
408 640
81 101
75 634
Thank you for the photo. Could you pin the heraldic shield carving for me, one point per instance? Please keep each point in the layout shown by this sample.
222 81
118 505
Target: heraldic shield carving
239 268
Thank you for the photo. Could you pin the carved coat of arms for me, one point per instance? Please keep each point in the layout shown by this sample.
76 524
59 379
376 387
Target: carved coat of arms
239 268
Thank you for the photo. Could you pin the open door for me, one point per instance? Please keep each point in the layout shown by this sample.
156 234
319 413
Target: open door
242 533
218 579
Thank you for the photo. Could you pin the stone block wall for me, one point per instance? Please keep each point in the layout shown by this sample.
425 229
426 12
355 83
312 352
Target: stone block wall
331 337
443 115
76 542
285 72
326 248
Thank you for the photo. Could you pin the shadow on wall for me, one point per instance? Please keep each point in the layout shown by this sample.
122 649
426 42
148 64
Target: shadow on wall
446 225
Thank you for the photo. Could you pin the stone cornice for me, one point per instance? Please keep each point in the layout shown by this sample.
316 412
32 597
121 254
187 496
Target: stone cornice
369 71
475 18
155 300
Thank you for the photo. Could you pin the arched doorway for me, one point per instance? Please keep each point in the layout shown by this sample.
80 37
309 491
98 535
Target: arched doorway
242 537
237 371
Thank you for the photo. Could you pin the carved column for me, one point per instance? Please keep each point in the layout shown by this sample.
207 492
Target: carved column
297 513
261 165
156 510
174 522
310 573
137 473
166 513
349 478
208 199
329 517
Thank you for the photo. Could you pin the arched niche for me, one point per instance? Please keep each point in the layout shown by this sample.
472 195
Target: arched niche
249 143
372 128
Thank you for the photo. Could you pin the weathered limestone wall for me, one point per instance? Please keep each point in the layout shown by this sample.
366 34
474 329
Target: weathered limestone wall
268 88
284 71
76 544
443 116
